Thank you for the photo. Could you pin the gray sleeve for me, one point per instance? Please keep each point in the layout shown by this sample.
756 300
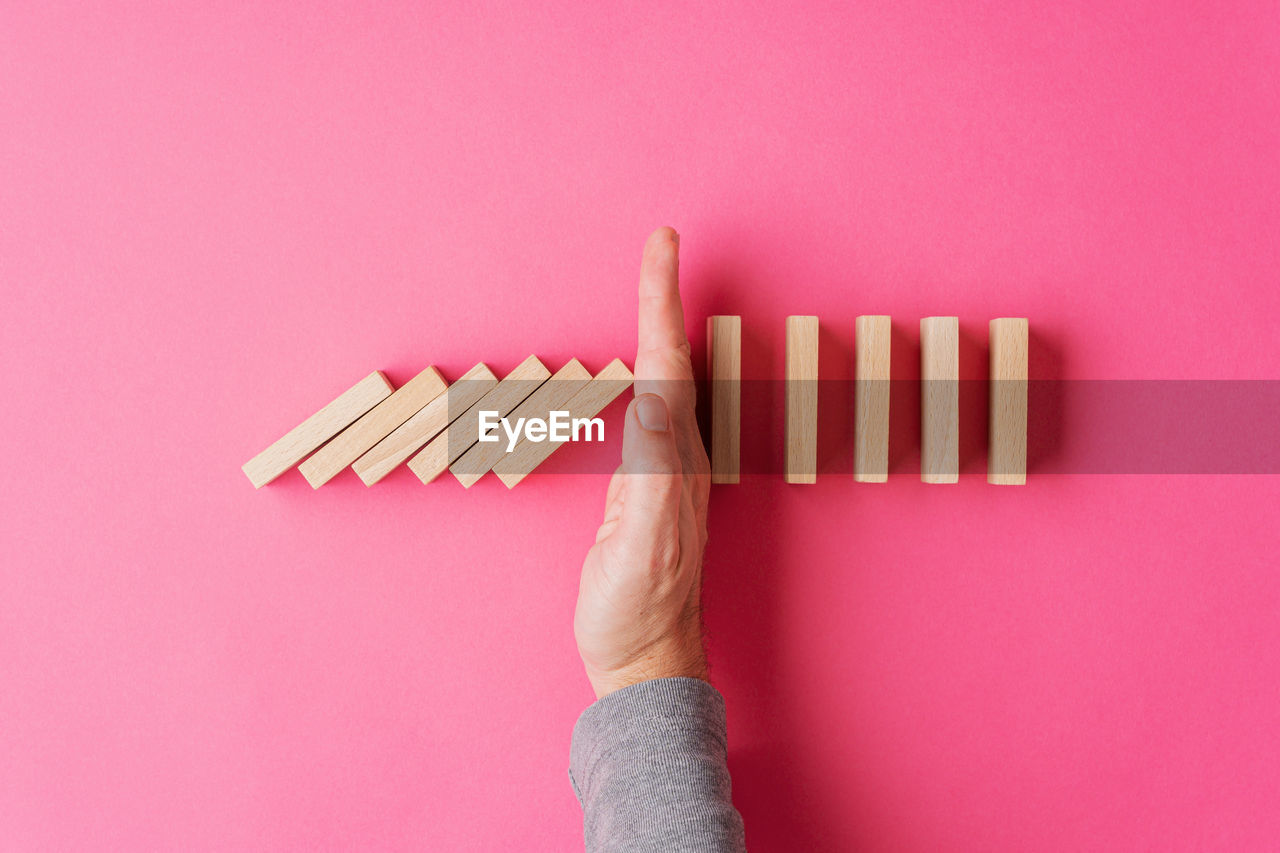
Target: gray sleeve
648 765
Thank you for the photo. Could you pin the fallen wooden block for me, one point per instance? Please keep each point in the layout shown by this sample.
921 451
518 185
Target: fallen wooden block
724 372
457 438
871 398
802 400
405 440
294 446
940 399
374 426
1007 434
602 390
551 395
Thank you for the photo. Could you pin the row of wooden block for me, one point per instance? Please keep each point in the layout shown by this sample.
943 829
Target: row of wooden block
373 427
939 405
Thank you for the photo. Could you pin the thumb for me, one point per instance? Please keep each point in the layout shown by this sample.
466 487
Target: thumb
653 479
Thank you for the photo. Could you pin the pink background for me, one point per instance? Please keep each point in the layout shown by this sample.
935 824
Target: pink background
214 219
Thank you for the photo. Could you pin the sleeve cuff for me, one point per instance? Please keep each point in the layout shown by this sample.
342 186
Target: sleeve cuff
648 764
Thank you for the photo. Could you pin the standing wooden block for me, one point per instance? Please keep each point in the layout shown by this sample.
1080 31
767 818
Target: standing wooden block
373 427
724 371
802 400
1007 453
940 399
871 399
458 437
317 429
587 403
383 458
551 395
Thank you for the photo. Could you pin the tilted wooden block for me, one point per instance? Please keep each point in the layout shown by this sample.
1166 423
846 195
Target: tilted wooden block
551 395
587 403
374 426
458 437
871 398
940 399
802 400
405 440
294 446
1007 438
724 372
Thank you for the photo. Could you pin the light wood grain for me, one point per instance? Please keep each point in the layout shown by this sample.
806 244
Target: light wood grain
457 438
294 446
602 390
940 399
405 440
1007 438
802 400
551 395
724 372
374 426
871 398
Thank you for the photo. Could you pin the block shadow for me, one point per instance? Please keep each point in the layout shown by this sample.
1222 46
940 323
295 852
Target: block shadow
974 396
1047 399
835 400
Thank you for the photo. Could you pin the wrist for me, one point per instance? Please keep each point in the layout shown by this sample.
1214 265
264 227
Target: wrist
686 662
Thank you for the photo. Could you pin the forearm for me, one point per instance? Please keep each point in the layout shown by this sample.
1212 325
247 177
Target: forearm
648 766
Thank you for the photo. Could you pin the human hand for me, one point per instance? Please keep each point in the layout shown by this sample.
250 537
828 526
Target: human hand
639 612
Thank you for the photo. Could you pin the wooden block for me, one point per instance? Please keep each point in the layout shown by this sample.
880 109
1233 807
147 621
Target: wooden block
802 400
940 399
383 458
317 429
458 437
871 399
374 426
552 394
587 403
1007 453
724 371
